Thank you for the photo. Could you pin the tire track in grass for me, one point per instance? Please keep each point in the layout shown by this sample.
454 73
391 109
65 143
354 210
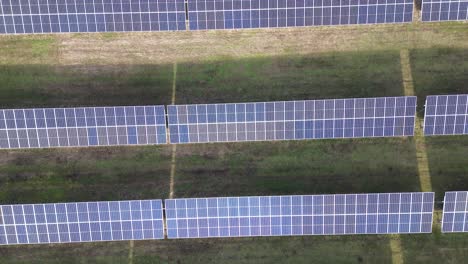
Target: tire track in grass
130 252
173 162
397 249
421 154
174 148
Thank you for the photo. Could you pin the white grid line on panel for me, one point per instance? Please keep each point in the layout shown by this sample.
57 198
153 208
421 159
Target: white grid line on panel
366 214
399 213
6 127
4 22
22 17
131 220
16 127
24 223
466 212
110 222
56 223
66 126
432 201
454 210
36 223
3 224
46 223
443 213
68 223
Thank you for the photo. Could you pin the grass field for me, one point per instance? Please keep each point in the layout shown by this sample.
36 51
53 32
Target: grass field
255 65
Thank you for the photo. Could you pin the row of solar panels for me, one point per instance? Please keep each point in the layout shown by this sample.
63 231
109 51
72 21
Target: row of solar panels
233 122
383 213
35 16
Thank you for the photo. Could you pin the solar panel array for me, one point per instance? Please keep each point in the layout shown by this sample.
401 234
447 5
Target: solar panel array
338 118
300 215
52 16
89 126
443 10
236 14
446 115
81 222
455 215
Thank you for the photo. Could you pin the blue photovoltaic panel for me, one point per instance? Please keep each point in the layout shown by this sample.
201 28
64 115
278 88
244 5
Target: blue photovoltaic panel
292 120
53 16
384 213
235 14
78 127
455 216
446 115
81 222
444 10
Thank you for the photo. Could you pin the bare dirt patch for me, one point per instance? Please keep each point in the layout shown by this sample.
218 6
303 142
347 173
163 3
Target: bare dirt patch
167 47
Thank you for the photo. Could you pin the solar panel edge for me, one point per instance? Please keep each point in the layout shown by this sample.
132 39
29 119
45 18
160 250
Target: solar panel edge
348 15
425 227
403 129
82 126
156 233
446 117
426 15
458 212
105 17
232 15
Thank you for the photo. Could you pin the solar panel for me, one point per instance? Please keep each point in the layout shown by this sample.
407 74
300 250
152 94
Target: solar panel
53 16
446 115
444 10
455 215
88 126
236 14
384 213
292 120
81 222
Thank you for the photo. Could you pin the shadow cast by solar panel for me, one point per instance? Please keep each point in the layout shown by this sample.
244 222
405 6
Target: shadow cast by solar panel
330 75
328 249
84 174
438 71
293 77
90 85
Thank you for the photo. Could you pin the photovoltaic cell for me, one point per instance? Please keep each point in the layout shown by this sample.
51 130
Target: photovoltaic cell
455 216
384 213
446 115
81 222
88 126
53 16
444 10
292 120
236 14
